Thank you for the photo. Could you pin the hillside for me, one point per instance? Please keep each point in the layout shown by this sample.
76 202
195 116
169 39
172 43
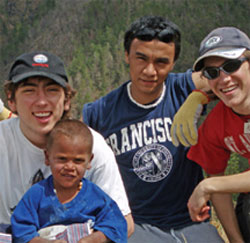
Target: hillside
88 34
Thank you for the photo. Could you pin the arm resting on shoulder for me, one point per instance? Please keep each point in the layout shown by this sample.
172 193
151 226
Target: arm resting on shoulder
184 127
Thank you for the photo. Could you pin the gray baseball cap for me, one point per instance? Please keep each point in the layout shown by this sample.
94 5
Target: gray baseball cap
227 42
38 63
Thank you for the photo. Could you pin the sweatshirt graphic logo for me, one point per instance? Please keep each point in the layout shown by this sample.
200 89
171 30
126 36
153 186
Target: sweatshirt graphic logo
152 163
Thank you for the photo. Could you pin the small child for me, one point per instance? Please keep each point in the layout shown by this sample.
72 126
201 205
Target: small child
66 197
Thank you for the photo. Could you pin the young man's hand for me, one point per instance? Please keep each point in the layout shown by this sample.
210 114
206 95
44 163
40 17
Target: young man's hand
184 127
197 203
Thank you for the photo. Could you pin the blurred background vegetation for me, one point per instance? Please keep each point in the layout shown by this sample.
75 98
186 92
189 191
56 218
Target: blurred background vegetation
88 36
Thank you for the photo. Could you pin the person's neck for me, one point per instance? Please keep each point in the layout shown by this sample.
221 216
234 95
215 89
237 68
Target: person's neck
66 195
145 99
39 140
241 112
242 109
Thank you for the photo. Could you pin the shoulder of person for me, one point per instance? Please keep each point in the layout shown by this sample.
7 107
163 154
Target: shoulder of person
102 152
38 187
111 96
8 128
98 139
180 76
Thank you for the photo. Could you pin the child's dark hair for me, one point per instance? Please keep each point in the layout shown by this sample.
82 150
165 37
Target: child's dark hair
70 128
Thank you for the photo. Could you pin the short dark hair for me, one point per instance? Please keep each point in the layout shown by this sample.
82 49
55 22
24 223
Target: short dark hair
70 128
148 28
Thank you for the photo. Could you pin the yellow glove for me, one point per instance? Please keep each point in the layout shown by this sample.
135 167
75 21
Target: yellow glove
4 112
184 127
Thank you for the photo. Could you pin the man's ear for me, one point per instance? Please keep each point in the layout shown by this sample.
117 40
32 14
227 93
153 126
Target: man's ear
46 157
126 57
67 104
11 103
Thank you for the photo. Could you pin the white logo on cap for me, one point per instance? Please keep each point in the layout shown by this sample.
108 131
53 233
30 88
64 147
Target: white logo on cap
40 58
213 41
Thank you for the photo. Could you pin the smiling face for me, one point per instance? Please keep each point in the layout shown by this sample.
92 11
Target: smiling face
149 63
232 89
40 103
68 157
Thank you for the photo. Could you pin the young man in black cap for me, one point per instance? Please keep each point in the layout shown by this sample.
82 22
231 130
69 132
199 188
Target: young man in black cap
38 91
224 61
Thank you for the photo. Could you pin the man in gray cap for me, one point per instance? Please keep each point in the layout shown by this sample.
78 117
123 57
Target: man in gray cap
39 93
224 61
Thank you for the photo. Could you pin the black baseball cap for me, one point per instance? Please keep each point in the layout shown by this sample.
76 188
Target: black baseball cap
38 63
227 42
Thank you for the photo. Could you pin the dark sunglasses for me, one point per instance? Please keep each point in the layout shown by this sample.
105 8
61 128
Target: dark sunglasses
148 34
227 67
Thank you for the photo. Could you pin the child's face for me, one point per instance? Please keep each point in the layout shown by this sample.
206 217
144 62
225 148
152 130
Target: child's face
69 158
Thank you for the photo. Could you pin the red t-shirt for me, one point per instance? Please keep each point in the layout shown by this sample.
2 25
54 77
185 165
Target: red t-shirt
220 134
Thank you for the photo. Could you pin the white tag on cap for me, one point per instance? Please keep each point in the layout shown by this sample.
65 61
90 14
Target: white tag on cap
40 58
